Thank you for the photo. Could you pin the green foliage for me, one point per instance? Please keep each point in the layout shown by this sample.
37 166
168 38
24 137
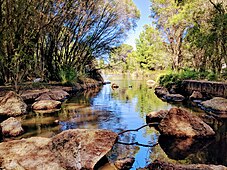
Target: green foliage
68 75
176 78
44 36
150 54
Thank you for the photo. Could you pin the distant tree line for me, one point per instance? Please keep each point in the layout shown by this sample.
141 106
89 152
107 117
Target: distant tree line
184 34
43 38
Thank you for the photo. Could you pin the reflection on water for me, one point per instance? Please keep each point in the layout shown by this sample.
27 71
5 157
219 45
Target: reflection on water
118 110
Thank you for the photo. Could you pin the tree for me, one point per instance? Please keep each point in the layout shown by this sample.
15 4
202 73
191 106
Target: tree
172 19
119 57
42 38
149 50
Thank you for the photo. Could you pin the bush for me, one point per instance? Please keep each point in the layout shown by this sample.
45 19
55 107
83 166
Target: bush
68 75
176 78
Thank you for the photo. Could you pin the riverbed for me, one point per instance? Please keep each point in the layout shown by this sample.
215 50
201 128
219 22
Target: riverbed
125 108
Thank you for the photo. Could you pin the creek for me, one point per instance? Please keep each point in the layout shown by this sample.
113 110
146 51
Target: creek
126 108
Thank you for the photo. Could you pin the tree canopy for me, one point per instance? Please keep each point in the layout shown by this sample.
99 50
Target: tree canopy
41 38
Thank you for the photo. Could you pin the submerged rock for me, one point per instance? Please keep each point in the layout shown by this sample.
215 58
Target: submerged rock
11 127
166 166
114 86
125 163
174 97
12 105
180 123
217 105
72 149
46 105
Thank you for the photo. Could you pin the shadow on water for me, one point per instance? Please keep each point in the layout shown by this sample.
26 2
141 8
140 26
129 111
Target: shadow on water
126 108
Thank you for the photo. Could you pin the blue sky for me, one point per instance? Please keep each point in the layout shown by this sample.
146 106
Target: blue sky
144 7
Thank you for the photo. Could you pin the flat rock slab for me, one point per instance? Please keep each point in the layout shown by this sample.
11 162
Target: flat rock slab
181 123
157 165
11 127
46 105
33 94
12 105
73 149
216 105
55 94
174 97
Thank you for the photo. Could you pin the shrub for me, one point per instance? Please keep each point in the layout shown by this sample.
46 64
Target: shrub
175 78
68 75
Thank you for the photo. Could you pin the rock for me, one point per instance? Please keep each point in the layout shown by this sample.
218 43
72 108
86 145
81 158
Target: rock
73 149
174 97
161 91
32 94
82 148
217 105
125 163
156 165
46 105
114 86
12 105
151 83
53 95
156 116
11 127
182 148
180 123
196 95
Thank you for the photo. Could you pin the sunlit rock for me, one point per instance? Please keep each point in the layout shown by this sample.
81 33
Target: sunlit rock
156 165
11 127
46 105
81 148
72 149
12 105
125 163
181 123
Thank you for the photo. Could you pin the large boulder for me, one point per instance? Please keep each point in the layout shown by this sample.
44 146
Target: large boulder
181 123
73 149
217 105
12 105
81 148
11 127
46 105
156 165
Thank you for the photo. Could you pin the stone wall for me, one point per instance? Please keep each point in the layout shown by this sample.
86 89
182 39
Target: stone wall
208 88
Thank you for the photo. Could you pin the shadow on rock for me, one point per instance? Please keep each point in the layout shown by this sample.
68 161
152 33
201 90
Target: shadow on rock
179 149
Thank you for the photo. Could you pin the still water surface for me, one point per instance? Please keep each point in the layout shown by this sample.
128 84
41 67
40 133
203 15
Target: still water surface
126 108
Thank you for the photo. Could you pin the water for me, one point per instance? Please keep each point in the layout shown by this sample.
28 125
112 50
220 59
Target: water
126 108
